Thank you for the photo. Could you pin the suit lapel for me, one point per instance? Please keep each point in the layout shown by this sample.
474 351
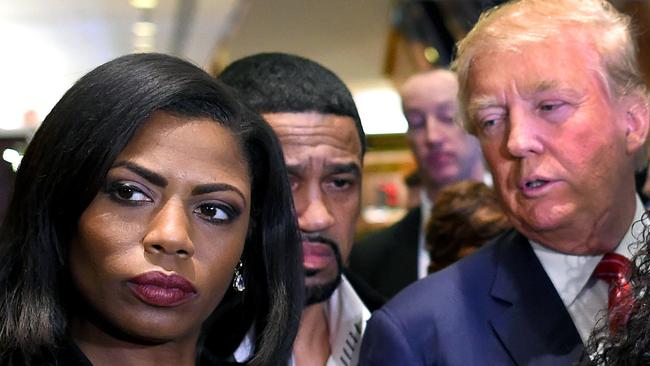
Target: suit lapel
531 321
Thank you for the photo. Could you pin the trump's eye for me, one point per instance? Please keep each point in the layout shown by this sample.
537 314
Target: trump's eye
489 119
555 110
550 106
488 123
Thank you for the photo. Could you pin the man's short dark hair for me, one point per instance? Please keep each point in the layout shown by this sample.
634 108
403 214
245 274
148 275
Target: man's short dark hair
281 83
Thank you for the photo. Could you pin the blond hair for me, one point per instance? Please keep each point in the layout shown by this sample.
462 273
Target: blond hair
594 22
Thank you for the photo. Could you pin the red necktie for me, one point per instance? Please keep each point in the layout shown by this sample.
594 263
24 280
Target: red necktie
615 269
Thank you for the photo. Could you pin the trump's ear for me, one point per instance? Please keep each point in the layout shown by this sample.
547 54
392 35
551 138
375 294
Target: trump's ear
637 122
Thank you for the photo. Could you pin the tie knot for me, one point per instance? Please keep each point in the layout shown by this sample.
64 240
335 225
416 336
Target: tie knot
613 268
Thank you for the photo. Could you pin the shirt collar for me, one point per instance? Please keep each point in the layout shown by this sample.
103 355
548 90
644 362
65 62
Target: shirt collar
570 273
425 209
347 316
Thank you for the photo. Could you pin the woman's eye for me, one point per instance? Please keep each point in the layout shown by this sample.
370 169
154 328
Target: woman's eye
128 193
215 213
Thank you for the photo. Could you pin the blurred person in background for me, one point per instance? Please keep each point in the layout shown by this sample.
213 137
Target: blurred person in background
413 184
392 258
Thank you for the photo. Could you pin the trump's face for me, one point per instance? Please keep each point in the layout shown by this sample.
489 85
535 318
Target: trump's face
560 148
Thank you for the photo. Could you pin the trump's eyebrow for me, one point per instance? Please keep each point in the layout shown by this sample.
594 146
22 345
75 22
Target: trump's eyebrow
556 86
481 102
544 85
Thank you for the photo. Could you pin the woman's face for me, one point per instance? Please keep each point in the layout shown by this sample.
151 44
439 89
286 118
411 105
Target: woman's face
156 249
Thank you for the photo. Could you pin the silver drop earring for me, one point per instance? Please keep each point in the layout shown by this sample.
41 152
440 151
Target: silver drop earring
238 282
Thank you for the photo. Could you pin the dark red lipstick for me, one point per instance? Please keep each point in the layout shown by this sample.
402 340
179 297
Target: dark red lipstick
159 289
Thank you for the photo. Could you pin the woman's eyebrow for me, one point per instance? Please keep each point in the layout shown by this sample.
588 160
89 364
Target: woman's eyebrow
216 187
152 177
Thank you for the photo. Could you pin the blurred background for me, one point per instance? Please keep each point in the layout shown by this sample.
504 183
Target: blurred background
372 45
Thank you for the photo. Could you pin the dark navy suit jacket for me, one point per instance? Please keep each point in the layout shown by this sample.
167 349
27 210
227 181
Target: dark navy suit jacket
495 307
387 259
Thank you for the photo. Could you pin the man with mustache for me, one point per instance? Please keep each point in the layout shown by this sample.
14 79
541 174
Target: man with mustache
553 92
316 121
392 258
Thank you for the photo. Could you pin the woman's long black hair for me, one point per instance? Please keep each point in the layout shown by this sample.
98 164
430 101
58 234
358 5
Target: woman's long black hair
64 167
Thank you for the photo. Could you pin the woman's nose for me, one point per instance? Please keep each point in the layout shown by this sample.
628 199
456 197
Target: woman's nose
168 232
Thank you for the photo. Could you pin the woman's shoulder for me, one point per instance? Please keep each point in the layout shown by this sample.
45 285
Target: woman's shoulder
67 353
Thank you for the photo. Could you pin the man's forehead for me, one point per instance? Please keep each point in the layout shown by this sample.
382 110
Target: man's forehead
529 75
312 129
323 164
438 86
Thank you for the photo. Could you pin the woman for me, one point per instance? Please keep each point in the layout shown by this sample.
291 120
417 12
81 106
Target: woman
144 193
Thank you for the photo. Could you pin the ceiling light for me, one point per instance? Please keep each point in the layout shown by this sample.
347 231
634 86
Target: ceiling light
144 4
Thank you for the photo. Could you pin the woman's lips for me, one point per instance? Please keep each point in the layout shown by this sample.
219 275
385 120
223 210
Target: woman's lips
159 289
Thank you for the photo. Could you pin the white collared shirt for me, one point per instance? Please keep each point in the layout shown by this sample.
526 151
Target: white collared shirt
346 316
424 259
586 297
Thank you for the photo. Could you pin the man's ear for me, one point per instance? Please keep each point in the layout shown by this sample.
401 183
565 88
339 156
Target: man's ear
637 121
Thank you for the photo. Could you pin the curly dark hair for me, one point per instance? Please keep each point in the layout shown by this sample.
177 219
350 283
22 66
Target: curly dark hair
465 215
630 345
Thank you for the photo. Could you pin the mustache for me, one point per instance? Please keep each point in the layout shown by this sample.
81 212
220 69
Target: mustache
319 238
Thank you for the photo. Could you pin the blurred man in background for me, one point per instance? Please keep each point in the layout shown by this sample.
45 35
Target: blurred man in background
392 258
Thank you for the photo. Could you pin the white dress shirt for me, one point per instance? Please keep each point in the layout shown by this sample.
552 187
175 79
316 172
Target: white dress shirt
424 259
346 318
586 297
